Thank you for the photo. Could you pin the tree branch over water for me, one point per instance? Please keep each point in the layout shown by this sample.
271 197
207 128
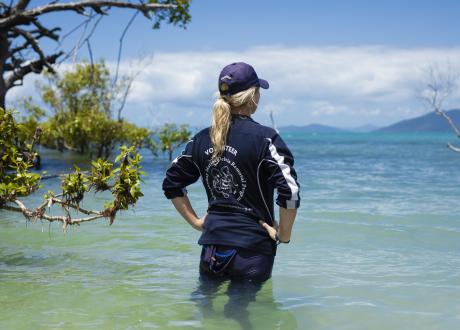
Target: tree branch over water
22 16
439 86
121 178
39 213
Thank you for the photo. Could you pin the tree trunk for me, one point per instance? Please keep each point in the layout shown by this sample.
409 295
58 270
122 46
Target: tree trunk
4 51
2 93
170 154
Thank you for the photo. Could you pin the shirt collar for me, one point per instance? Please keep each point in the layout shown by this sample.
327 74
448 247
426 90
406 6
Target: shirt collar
237 116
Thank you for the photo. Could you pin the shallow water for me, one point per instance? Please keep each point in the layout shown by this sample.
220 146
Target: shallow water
376 245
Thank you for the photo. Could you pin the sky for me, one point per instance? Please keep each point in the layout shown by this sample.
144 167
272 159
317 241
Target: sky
343 63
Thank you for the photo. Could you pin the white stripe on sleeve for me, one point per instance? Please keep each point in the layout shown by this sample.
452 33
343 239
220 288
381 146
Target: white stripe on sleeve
286 170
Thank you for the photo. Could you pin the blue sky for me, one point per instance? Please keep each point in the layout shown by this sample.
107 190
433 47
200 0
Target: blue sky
343 63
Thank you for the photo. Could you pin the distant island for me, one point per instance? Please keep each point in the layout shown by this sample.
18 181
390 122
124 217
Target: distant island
430 122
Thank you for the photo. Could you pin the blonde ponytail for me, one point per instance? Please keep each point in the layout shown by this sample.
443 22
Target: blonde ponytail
222 117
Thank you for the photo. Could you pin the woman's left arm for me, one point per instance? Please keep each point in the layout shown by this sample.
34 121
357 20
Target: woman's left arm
183 206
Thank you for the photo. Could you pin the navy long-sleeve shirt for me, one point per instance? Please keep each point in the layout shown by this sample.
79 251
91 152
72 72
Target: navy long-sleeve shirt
240 187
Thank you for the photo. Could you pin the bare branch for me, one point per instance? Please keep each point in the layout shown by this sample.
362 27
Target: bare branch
74 29
31 40
123 88
120 47
451 123
440 84
83 39
90 51
124 97
32 66
19 48
39 213
79 6
44 32
21 5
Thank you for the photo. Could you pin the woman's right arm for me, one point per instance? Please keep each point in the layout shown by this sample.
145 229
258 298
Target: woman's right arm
280 164
284 229
287 218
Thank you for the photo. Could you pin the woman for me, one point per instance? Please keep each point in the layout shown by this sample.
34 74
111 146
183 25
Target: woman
241 163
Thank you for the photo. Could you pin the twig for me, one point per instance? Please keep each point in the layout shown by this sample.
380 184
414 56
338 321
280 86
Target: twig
90 58
125 95
120 46
81 43
73 30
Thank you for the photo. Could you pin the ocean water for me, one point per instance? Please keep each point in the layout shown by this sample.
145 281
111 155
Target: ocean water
376 245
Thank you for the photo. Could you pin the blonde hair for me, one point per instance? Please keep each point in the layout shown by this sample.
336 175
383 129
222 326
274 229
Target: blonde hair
222 116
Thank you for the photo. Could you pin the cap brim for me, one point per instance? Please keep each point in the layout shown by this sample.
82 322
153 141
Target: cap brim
264 84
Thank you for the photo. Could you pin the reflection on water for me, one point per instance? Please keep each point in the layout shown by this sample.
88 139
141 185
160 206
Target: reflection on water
240 294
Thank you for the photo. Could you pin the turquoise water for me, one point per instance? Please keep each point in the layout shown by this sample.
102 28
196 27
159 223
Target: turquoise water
376 245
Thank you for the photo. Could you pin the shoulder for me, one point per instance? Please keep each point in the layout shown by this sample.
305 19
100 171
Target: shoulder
268 132
262 131
204 133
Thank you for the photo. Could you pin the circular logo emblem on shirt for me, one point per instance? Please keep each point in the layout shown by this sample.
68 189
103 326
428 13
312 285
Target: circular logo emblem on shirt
225 180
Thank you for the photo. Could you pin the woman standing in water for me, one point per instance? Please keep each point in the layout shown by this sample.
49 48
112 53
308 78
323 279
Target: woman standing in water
241 163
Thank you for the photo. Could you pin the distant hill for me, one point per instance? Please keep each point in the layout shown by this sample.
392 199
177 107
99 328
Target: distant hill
430 122
312 128
364 128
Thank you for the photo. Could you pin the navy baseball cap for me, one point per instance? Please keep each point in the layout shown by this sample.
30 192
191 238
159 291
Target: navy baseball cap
237 77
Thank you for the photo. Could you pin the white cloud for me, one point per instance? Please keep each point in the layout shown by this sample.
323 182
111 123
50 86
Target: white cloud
333 85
